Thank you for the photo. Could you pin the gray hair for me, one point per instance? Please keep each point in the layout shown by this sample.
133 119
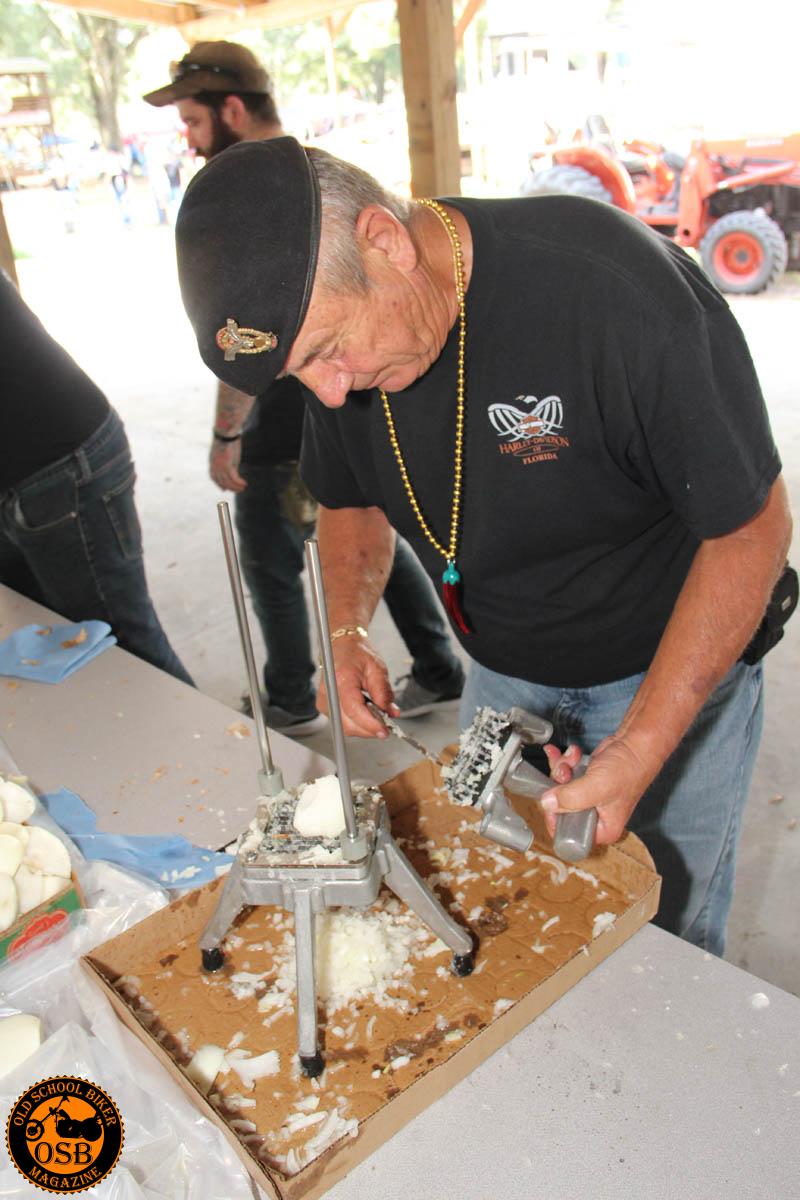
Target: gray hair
346 190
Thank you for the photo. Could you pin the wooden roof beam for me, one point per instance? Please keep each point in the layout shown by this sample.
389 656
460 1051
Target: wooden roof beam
336 24
149 12
470 12
155 12
274 14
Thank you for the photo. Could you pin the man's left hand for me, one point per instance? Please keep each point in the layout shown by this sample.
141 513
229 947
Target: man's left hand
615 781
223 465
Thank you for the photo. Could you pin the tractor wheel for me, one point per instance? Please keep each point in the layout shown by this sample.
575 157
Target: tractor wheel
565 178
744 252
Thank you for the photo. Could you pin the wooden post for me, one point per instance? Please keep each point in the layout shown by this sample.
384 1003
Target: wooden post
6 251
428 51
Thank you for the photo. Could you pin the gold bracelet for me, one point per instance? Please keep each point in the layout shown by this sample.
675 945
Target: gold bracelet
349 631
346 631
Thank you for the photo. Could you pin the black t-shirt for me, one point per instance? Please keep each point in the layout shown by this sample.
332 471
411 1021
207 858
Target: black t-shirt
274 429
613 420
49 405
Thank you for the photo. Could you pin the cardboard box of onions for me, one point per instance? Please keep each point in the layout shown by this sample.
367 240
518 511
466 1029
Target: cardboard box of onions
397 1029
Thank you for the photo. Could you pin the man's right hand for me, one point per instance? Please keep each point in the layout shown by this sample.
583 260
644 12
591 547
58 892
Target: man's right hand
360 668
223 465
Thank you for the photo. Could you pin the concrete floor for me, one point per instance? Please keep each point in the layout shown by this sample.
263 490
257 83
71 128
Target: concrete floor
110 295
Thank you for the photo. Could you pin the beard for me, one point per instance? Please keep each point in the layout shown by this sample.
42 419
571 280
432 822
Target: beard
221 136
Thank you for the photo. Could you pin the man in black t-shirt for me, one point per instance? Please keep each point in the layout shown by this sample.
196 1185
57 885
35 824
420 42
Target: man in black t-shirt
224 96
69 532
580 442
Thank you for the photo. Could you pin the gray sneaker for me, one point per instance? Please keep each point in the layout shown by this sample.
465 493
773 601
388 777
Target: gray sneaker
282 721
293 724
414 700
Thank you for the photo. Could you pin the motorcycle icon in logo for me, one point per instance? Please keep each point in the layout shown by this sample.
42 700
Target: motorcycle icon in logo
541 417
89 1129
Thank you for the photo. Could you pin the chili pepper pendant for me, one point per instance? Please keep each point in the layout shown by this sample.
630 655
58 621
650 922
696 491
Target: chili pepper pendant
451 595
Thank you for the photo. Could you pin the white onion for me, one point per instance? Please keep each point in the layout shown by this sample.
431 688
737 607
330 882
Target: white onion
9 904
319 811
205 1066
16 803
45 853
10 854
20 1037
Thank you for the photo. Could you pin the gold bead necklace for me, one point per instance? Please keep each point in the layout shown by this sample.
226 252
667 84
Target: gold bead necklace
451 578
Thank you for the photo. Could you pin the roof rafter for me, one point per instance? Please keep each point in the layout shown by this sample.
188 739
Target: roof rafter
271 14
213 18
468 14
151 12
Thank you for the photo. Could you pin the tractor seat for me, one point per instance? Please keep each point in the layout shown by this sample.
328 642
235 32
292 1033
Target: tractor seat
634 164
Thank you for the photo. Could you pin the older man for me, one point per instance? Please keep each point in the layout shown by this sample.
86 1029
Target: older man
559 411
224 96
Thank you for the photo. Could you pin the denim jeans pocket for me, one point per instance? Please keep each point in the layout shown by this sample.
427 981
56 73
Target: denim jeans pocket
121 509
46 505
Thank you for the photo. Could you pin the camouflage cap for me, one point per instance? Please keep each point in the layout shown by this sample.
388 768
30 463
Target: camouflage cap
212 67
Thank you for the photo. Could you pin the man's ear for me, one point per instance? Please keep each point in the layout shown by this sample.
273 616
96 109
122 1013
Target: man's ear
379 232
234 114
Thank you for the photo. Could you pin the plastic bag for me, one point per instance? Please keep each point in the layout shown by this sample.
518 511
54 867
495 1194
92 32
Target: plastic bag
170 1152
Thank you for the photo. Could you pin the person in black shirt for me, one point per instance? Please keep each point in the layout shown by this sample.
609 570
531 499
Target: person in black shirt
553 404
224 96
69 532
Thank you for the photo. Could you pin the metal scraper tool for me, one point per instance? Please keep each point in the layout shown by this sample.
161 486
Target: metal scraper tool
392 726
489 757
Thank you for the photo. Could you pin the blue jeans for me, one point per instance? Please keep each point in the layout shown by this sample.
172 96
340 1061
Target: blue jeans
271 541
690 817
70 539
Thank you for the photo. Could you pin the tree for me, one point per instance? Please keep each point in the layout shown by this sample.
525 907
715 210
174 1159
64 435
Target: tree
370 50
90 56
367 55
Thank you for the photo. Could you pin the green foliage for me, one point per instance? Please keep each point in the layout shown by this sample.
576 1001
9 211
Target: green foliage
295 59
88 57
367 55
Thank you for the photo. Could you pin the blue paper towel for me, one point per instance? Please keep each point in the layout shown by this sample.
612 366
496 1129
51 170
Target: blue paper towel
50 653
170 861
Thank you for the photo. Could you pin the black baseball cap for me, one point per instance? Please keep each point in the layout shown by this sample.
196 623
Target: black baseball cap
247 238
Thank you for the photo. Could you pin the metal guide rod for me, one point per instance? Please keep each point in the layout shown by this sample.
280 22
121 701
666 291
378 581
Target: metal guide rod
329 673
273 778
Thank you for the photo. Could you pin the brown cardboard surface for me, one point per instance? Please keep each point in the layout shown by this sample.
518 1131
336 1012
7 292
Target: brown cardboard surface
383 1065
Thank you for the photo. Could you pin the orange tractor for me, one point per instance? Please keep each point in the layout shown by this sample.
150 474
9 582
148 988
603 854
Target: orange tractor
737 202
